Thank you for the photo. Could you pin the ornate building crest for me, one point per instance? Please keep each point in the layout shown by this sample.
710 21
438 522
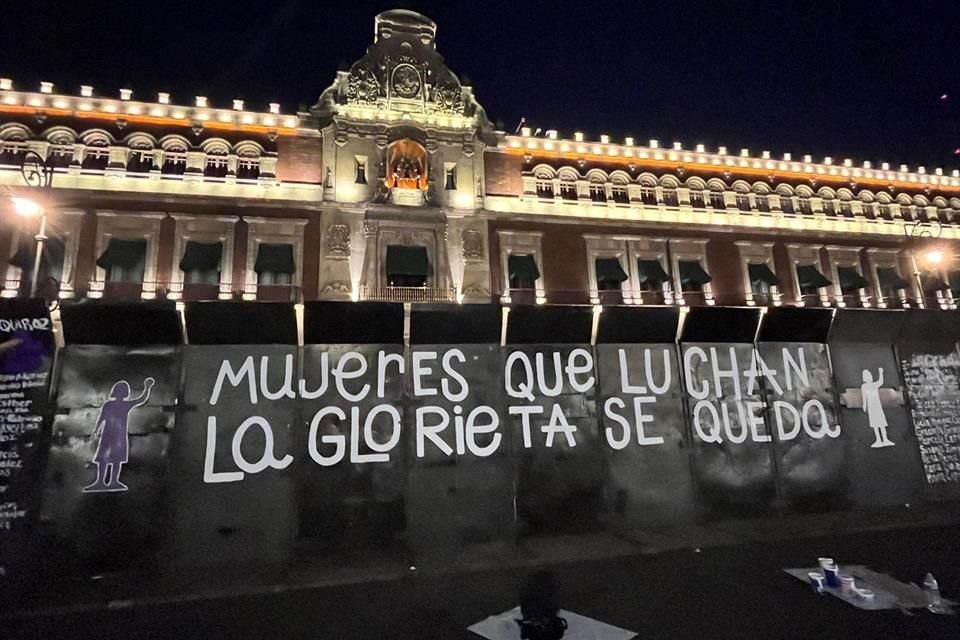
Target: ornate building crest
402 73
338 241
472 244
363 85
406 81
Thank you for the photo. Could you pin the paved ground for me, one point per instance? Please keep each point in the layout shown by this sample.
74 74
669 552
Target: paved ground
718 592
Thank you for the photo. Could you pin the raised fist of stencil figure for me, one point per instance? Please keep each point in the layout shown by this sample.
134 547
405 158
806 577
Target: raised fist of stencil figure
113 446
870 392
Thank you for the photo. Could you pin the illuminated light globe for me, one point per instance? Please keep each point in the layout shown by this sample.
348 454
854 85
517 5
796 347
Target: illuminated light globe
26 207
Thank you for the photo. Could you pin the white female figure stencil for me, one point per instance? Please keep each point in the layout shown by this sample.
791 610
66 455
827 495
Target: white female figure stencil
870 403
113 443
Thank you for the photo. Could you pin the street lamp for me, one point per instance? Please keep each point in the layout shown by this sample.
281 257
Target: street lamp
934 257
37 172
917 235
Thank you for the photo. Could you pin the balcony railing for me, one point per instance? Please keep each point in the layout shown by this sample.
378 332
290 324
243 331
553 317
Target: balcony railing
408 294
187 292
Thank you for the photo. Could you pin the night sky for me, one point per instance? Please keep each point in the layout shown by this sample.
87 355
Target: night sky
859 79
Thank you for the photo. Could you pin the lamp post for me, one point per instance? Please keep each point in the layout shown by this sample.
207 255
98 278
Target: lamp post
917 235
37 173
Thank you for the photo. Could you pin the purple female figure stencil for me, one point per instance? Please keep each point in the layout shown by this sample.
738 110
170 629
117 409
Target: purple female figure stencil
112 430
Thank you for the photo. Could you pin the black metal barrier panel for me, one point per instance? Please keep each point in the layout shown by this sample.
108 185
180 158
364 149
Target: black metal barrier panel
232 486
794 365
881 454
551 393
349 443
26 356
645 439
930 362
725 408
460 481
106 477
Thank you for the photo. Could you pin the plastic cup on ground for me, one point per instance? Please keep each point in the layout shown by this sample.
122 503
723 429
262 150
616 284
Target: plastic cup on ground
830 574
846 584
816 581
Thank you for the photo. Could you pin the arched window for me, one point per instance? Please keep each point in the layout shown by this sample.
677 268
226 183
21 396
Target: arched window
697 200
761 197
544 183
174 159
96 154
670 197
140 158
13 144
406 165
787 205
216 164
619 192
717 199
568 185
828 202
248 161
60 151
883 206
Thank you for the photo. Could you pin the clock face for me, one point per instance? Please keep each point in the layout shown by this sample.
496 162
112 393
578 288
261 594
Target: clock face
406 82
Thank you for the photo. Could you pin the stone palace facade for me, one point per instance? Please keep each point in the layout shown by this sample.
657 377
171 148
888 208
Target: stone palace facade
395 186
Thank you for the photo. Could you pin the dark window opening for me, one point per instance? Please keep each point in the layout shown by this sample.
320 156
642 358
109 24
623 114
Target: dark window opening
670 198
763 203
450 181
544 188
717 200
51 258
620 194
140 161
12 152
124 260
95 159
891 284
523 272
216 166
610 274
60 156
806 207
953 279
933 282
568 190
810 279
762 278
743 202
786 204
851 282
651 274
201 262
829 207
274 264
174 164
407 266
692 275
361 172
598 193
648 196
248 168
696 199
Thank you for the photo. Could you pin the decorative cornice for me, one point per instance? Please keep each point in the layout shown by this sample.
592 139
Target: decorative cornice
152 113
743 164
